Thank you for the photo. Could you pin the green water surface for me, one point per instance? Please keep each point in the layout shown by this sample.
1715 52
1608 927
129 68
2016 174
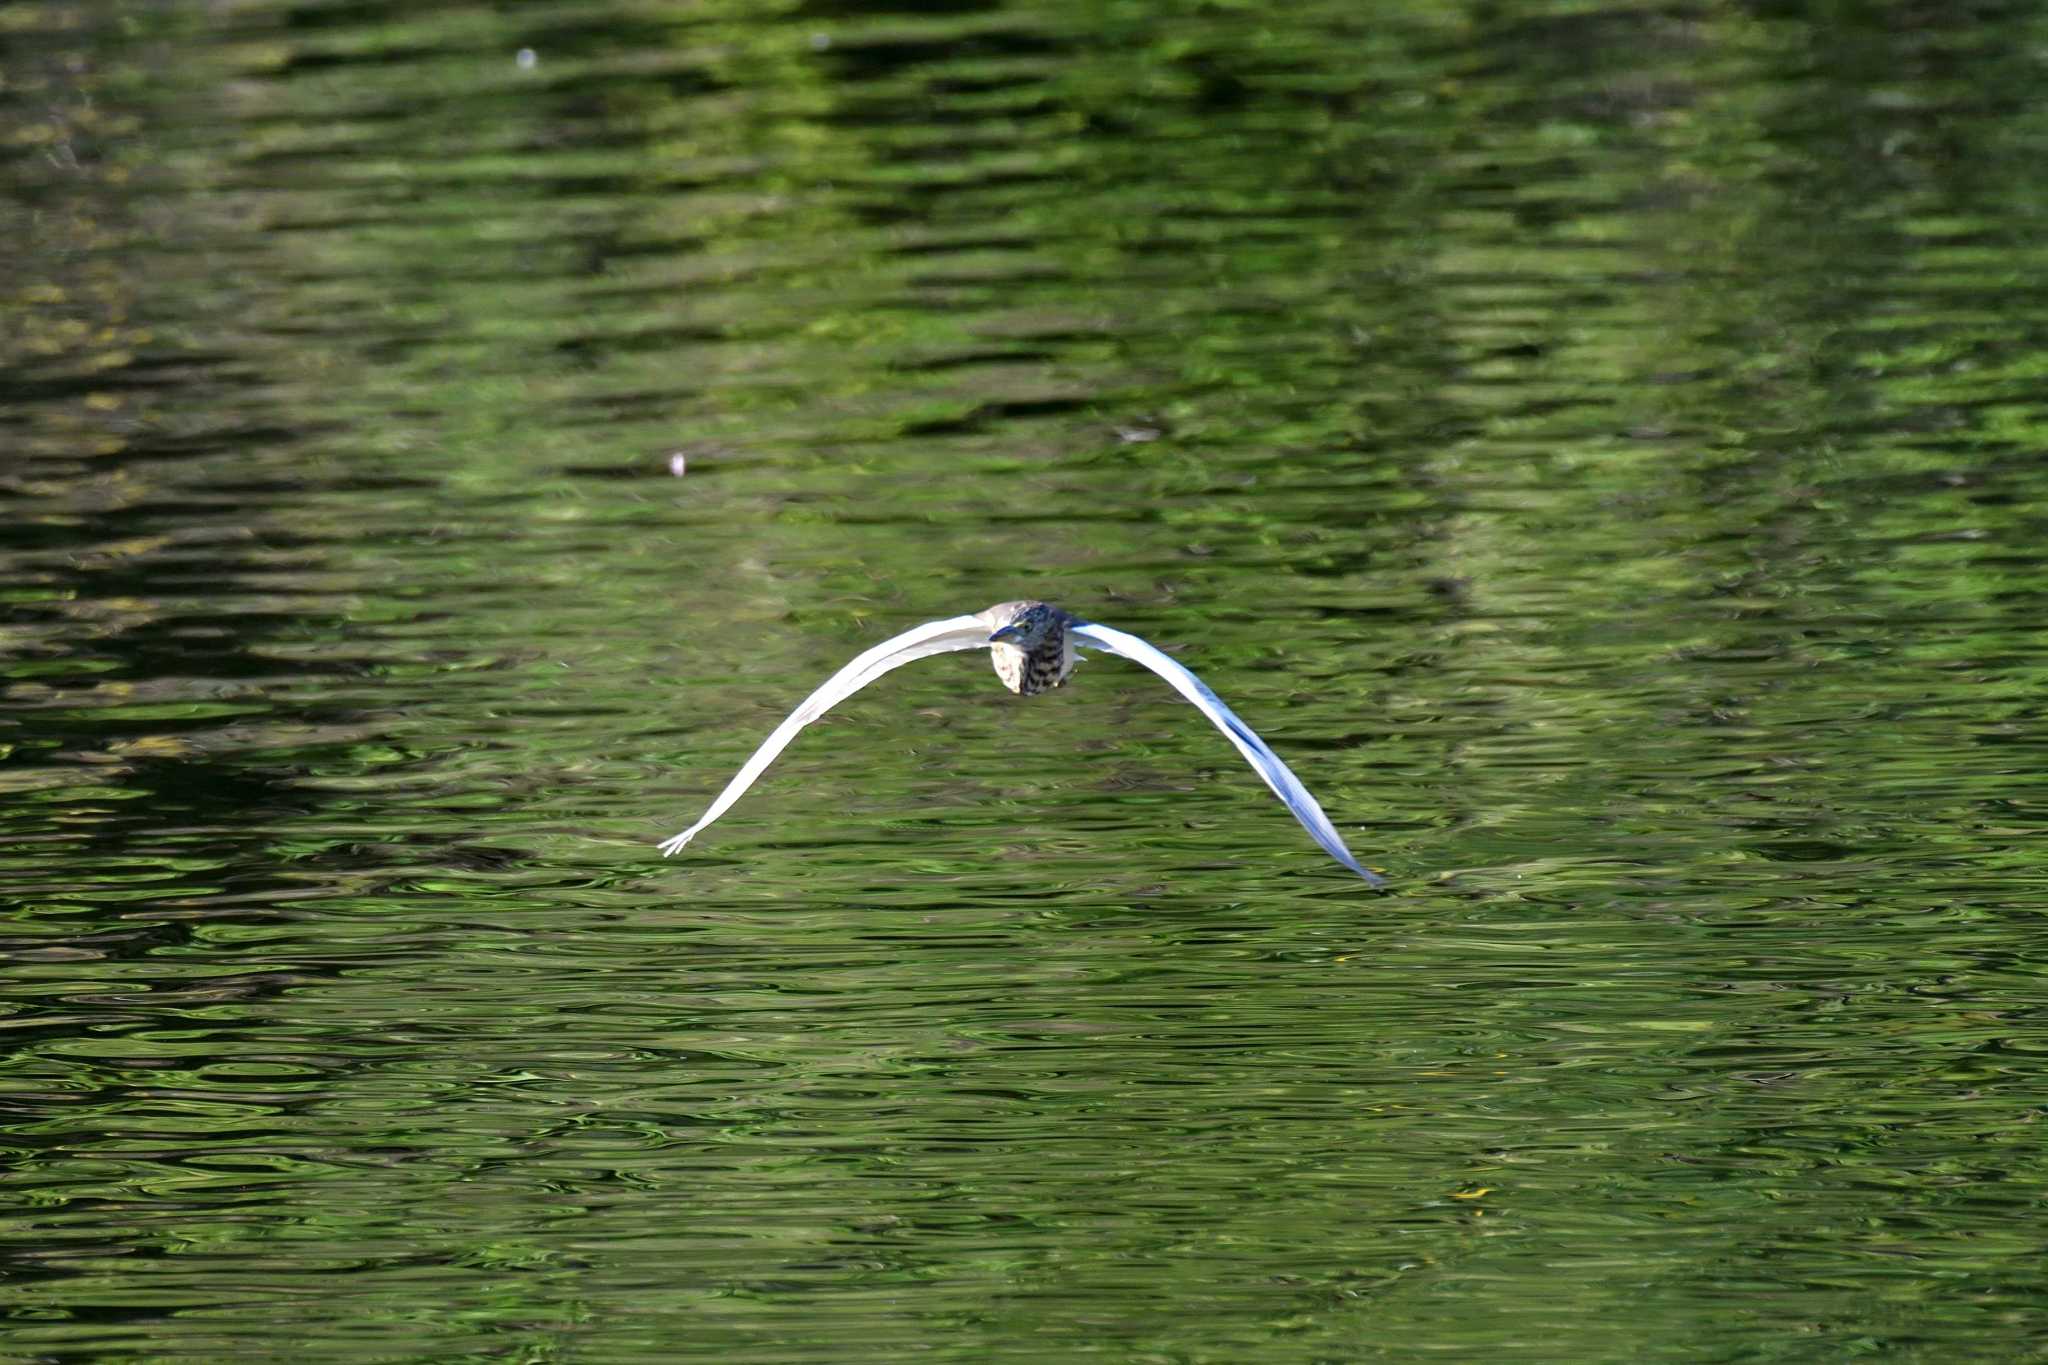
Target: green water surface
1599 445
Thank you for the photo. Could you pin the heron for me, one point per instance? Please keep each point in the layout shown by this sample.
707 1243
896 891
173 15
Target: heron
1033 646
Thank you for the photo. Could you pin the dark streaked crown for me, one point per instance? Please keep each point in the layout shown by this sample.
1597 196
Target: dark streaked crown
1031 620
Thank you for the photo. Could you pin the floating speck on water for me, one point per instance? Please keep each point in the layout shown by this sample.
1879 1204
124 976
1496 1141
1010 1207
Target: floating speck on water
678 463
527 59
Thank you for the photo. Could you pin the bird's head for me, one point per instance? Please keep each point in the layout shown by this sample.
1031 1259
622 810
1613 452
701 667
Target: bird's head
1030 626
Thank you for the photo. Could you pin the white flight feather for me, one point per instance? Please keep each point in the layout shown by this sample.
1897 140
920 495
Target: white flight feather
933 637
1278 775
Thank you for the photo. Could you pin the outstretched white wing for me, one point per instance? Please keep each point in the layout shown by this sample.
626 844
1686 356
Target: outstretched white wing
933 637
1278 775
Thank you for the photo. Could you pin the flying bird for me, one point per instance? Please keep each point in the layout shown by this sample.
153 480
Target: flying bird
1033 644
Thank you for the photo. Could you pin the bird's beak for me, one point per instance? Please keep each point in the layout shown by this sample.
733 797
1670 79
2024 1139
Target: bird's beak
1007 633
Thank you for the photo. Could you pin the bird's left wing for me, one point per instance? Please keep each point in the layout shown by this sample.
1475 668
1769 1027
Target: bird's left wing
1278 775
933 637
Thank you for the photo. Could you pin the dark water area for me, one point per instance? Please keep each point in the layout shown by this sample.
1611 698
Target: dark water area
1599 446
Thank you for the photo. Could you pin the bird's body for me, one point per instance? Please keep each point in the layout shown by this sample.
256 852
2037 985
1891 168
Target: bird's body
1032 645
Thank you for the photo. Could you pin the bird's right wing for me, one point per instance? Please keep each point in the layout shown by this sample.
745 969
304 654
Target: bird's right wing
933 637
1278 775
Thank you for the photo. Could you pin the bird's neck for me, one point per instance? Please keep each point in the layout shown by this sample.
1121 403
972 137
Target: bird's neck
1040 670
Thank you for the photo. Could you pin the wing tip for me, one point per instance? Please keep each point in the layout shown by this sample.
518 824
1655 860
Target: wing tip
1372 878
